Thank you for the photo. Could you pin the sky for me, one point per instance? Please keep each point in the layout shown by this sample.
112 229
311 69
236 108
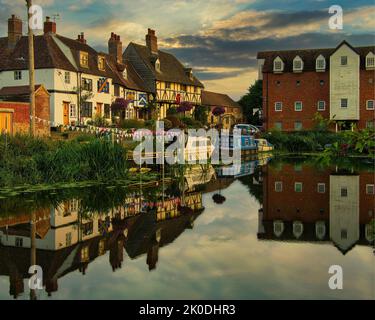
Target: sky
219 39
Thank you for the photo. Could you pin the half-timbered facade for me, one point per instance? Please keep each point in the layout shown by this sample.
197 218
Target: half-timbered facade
170 82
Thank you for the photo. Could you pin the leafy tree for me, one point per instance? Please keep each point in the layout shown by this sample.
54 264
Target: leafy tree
252 100
201 114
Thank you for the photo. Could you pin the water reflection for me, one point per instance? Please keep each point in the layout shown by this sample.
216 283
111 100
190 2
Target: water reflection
72 229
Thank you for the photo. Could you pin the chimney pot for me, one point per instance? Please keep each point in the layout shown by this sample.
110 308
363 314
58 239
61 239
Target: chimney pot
49 26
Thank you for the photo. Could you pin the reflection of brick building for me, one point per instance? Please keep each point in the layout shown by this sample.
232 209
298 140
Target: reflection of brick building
336 83
305 204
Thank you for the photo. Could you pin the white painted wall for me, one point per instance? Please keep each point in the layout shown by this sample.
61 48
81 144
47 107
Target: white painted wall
344 83
344 211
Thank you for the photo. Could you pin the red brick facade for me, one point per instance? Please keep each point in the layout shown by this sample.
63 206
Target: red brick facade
308 86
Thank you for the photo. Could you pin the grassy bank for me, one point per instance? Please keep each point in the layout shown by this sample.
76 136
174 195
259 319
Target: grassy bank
26 160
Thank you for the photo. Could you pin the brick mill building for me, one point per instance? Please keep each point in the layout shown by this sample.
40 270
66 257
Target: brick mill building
336 83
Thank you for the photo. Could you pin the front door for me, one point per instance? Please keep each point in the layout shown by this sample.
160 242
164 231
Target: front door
66 113
6 123
99 107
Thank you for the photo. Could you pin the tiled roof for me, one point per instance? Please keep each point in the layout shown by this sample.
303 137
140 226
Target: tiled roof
17 90
171 69
47 54
218 100
308 56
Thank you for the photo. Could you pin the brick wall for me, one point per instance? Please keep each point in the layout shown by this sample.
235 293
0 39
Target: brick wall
283 88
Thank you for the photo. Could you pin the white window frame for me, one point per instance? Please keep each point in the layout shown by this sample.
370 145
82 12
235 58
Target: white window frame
367 189
84 59
324 105
320 59
18 75
277 61
324 188
67 77
370 57
295 106
278 103
298 184
278 186
73 111
373 105
298 59
295 125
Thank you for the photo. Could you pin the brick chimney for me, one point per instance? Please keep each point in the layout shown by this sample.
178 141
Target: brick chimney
49 26
14 30
81 38
115 47
152 41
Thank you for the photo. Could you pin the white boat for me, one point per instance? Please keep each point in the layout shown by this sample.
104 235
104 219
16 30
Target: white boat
198 149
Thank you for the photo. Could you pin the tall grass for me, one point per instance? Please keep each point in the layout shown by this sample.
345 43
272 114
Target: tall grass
24 160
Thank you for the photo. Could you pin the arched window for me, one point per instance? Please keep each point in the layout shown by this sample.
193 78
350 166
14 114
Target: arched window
370 61
297 64
125 73
320 230
157 65
278 65
278 228
297 229
320 63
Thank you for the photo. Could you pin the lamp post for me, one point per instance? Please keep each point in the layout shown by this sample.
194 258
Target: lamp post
31 70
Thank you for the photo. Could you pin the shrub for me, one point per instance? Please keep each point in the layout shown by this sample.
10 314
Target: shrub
176 122
132 124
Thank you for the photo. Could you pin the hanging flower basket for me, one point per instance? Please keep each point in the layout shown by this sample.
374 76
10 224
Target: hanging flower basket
120 104
184 106
218 111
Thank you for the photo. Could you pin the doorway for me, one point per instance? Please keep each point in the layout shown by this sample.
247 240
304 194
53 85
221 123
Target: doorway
6 123
66 113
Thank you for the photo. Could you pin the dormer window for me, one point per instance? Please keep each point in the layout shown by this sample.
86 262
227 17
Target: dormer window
278 65
101 63
125 74
157 65
297 64
320 63
370 61
84 59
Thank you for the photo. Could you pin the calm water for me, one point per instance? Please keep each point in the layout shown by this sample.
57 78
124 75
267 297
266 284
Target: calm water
272 232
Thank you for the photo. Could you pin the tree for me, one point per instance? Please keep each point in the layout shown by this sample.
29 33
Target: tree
253 100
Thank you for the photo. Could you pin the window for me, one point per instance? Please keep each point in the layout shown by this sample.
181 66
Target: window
101 63
322 82
370 189
344 60
369 124
344 192
125 73
167 85
298 187
320 63
370 105
103 85
17 75
278 106
344 103
278 126
19 242
84 59
107 111
88 228
320 230
344 234
321 105
73 111
321 188
86 84
298 125
297 64
183 87
278 186
370 61
68 239
278 65
157 65
86 110
278 228
298 106
67 77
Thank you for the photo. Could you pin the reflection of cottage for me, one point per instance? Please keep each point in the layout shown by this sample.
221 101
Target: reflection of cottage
302 204
233 112
15 110
165 76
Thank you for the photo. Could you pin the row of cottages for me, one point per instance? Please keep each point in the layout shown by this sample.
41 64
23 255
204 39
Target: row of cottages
82 82
232 110
337 83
